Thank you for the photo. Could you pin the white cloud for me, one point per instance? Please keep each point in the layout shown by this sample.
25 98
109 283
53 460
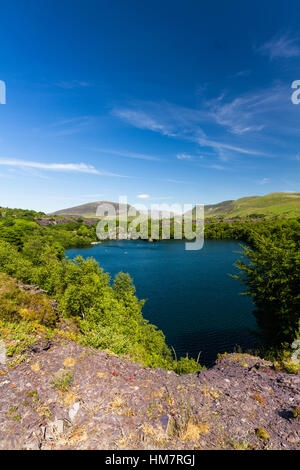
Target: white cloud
235 116
184 156
124 153
246 124
240 116
73 84
70 126
141 120
250 112
172 180
282 46
166 118
264 181
224 146
67 167
214 166
143 196
241 73
217 167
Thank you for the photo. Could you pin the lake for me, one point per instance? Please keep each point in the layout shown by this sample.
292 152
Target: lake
189 294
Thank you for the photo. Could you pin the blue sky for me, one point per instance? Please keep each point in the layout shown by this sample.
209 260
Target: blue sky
181 101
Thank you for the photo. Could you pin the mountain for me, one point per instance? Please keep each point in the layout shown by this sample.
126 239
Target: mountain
89 210
271 205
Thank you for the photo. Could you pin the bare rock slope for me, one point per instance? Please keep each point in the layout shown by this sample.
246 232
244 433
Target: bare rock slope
69 397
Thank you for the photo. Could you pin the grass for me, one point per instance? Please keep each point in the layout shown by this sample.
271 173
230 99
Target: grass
296 412
242 445
271 205
194 430
63 380
262 434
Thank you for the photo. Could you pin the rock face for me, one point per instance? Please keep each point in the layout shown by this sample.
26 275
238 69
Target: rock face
70 397
2 353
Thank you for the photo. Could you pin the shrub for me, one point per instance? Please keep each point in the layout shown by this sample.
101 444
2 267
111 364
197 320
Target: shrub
17 304
63 380
262 434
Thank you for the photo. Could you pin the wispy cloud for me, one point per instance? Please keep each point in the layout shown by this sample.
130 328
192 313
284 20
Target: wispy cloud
217 167
214 166
241 73
185 156
228 125
126 154
175 181
143 196
73 84
65 167
142 120
264 181
221 146
70 126
249 112
187 123
280 46
165 118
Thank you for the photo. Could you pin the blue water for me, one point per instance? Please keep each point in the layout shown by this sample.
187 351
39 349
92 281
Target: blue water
190 296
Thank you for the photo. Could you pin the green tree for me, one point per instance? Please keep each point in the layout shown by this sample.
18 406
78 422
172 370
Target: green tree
272 276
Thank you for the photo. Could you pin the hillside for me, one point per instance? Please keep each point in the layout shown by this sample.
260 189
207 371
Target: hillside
89 210
271 205
64 396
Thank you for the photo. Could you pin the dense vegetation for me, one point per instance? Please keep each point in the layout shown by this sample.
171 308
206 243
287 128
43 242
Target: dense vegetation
17 226
270 268
109 315
271 272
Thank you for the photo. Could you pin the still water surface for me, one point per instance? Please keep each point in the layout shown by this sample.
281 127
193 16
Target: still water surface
189 294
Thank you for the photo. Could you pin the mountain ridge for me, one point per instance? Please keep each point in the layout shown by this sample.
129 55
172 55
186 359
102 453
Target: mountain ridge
89 210
269 205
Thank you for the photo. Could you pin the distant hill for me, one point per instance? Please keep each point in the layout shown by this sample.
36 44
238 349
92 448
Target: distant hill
89 210
271 205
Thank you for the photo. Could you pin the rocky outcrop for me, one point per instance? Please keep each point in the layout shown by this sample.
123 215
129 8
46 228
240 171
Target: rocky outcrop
69 397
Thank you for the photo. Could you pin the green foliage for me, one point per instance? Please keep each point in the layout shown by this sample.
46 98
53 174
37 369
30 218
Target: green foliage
262 434
63 380
20 335
187 365
272 276
18 304
18 227
109 316
296 412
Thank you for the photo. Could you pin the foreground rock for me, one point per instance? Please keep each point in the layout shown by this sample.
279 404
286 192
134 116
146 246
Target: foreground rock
69 397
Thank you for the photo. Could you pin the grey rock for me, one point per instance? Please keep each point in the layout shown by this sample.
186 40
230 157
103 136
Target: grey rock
73 411
167 423
2 353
